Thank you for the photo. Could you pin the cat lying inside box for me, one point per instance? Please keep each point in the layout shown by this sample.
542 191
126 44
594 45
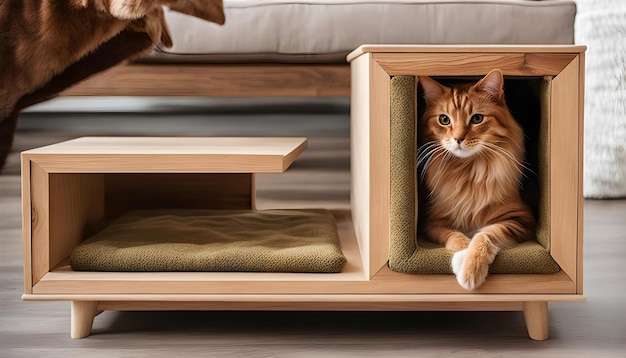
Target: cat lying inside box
471 162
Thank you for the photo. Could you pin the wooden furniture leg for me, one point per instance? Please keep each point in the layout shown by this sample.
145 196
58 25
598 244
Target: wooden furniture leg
83 313
536 316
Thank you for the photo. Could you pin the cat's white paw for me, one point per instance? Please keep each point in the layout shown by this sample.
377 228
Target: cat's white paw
470 281
457 261
467 276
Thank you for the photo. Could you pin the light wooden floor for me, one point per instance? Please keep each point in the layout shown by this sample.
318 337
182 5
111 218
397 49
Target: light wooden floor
320 178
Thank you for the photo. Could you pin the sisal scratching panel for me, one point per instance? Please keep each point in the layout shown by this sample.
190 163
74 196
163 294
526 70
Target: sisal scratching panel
215 240
412 254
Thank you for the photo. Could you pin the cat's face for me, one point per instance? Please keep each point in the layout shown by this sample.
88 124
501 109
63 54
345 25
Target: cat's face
466 120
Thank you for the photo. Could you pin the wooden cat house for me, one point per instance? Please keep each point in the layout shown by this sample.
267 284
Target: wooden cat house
70 188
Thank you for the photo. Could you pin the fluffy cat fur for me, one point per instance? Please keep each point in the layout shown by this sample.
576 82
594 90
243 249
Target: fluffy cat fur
470 162
48 45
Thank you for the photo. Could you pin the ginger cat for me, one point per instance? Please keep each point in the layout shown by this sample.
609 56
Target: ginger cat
470 161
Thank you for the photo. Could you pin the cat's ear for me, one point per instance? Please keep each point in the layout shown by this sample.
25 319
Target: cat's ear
432 89
492 84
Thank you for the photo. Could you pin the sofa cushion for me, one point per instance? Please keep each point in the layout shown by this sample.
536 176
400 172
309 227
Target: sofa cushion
327 30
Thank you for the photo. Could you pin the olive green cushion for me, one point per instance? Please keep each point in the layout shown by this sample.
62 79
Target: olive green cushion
410 254
215 240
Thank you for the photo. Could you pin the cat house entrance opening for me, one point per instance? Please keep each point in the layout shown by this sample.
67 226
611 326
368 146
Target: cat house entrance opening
410 250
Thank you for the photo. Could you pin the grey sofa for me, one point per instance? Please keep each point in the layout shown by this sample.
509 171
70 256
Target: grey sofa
298 47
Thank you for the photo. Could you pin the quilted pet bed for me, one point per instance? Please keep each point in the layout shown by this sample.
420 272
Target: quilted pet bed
214 240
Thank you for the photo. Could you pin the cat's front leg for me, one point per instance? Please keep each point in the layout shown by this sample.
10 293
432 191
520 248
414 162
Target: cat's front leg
457 241
471 265
454 240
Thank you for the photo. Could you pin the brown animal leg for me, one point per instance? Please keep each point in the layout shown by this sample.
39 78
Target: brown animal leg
126 45
7 130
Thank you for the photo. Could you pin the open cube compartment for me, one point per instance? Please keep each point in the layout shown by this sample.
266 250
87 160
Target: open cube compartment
380 211
72 190
528 98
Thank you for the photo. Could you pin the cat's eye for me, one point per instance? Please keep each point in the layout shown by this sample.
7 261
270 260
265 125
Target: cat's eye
477 119
444 120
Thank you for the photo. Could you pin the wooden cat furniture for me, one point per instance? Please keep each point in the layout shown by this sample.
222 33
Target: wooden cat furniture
69 187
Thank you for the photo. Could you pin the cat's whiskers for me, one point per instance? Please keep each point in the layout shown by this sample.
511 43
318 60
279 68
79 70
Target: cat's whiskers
439 152
508 141
444 157
427 152
515 177
520 148
520 165
509 176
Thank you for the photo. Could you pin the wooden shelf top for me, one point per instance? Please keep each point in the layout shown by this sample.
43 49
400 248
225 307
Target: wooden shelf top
169 154
464 48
